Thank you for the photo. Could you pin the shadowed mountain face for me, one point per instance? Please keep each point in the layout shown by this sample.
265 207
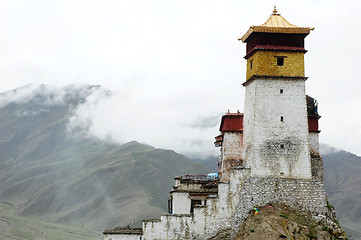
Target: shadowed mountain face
343 187
47 174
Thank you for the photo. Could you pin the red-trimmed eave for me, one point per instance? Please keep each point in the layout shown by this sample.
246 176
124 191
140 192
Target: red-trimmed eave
313 123
219 141
273 48
232 122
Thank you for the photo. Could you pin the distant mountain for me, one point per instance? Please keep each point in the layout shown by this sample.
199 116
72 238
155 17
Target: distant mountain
343 186
48 175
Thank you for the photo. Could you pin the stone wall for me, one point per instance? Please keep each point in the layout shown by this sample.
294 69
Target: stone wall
316 166
304 195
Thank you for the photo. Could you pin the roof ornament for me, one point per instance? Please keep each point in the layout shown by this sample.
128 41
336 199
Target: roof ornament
274 10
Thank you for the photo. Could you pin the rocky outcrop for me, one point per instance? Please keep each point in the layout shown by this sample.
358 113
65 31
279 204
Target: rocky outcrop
278 221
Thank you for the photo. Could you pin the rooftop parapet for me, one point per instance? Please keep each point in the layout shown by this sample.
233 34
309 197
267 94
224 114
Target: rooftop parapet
124 230
195 183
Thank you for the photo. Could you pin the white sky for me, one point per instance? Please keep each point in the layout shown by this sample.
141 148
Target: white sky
175 65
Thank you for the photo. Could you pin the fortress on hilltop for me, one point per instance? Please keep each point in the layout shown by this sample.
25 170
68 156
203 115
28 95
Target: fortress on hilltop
269 153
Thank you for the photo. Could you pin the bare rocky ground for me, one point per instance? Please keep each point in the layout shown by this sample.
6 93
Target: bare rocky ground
282 222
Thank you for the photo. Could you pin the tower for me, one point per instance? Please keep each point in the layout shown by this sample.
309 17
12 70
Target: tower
231 141
275 137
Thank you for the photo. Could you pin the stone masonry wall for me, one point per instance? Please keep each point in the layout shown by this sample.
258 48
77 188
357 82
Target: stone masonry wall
304 195
316 166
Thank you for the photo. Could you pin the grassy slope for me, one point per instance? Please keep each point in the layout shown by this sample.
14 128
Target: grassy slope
17 227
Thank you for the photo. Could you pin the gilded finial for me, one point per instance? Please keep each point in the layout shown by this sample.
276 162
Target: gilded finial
274 10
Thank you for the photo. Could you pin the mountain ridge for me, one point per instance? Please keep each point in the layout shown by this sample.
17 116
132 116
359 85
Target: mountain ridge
52 177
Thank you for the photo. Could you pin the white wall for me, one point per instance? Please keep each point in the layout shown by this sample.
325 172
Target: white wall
181 203
232 145
273 147
314 141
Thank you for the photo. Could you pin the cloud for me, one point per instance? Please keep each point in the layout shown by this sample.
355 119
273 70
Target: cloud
43 96
174 63
165 120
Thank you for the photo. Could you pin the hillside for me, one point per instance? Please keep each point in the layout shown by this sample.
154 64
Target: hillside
342 182
282 222
47 175
50 179
18 227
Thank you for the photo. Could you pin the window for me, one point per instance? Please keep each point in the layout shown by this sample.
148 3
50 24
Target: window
194 203
281 118
170 205
282 146
281 90
251 64
280 61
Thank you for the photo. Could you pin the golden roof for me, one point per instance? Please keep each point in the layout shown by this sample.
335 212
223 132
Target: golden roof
276 24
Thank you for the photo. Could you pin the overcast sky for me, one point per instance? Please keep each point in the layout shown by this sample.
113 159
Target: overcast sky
175 66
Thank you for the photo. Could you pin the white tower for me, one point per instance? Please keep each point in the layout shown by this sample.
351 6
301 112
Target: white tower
275 113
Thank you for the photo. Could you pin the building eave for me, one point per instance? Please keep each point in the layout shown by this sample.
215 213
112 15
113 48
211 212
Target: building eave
254 77
284 30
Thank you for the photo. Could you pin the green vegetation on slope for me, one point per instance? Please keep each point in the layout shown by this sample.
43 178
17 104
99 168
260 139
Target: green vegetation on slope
17 227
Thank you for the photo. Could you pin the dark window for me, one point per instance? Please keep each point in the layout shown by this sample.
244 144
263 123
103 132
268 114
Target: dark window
281 90
282 146
170 205
280 61
281 118
194 203
251 63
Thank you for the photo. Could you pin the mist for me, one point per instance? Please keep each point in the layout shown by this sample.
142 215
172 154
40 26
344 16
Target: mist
173 67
